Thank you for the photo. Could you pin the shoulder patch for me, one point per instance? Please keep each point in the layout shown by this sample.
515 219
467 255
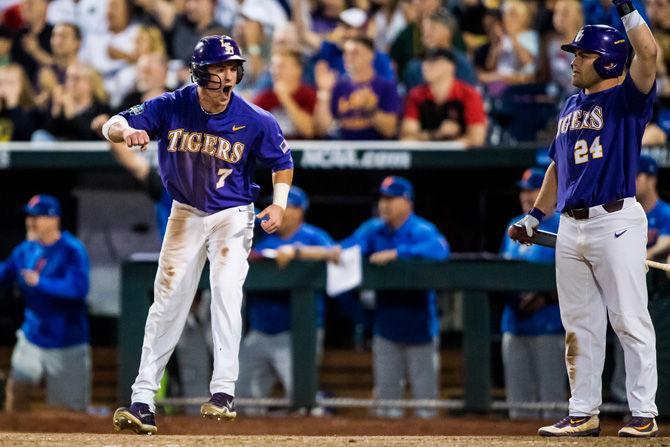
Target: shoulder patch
284 146
136 110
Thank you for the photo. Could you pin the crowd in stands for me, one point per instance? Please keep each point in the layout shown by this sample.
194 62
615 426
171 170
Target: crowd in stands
475 72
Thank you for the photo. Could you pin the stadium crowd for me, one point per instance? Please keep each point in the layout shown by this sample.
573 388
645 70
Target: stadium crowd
472 71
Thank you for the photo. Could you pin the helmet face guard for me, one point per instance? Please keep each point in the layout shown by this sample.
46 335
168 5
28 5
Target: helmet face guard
212 50
608 43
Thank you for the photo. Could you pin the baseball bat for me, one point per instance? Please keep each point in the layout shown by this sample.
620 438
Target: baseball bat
548 239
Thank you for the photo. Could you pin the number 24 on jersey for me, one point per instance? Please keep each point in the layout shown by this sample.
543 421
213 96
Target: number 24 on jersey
582 150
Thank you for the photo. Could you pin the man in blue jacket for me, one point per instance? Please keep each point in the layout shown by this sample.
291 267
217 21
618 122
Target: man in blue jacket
51 270
405 323
265 352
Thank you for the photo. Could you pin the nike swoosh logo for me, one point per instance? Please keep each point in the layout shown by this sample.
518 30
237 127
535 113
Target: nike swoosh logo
577 421
236 128
616 235
143 415
643 428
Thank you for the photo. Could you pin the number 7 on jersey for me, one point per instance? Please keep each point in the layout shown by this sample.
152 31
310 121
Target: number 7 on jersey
222 173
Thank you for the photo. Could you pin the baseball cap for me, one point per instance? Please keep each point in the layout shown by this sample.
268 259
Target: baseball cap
354 17
394 186
297 198
43 205
531 179
437 53
647 165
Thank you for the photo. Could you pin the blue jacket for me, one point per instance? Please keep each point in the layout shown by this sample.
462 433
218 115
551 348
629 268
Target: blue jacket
55 309
403 316
547 320
270 312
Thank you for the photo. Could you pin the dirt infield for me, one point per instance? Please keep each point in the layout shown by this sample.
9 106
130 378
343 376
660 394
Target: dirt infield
60 428
75 440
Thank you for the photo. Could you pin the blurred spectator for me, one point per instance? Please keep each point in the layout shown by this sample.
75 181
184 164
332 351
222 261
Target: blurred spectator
408 42
113 51
151 78
512 55
90 16
5 45
75 105
31 46
386 22
533 335
17 107
51 270
125 82
657 210
437 31
314 26
151 71
325 15
470 14
602 12
568 19
184 30
362 104
65 44
265 352
654 135
444 108
406 340
351 25
659 16
290 100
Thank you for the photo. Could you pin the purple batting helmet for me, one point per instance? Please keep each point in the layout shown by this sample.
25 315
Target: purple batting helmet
605 41
212 50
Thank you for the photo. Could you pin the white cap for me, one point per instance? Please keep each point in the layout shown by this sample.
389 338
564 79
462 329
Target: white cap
354 17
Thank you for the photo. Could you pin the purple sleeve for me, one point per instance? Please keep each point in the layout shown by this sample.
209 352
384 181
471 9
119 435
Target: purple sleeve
147 116
389 100
552 150
273 149
636 101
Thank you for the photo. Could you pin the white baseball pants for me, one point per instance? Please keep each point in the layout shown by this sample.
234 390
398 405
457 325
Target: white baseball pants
600 272
191 238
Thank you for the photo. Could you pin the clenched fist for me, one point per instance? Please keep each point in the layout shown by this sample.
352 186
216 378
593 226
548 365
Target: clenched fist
135 137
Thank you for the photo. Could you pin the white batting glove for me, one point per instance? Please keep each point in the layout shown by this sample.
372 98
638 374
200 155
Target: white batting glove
531 221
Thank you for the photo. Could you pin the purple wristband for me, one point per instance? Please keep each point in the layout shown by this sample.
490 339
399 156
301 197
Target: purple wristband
536 213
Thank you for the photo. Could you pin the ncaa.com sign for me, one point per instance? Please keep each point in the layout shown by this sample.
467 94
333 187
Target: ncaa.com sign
355 159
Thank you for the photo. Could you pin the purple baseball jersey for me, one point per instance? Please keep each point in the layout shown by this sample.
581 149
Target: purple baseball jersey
597 145
207 161
353 106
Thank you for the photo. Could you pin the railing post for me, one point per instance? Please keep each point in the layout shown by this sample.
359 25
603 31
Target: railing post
136 281
303 343
477 351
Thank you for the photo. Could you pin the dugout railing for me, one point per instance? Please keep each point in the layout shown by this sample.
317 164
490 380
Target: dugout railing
475 279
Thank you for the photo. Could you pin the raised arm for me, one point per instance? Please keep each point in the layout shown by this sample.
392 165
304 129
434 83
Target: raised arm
643 67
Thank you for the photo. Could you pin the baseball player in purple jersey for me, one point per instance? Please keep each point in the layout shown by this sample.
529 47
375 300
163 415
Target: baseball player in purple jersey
602 236
208 142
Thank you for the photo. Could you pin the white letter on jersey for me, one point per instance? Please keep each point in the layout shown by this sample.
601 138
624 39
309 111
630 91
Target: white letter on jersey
194 142
596 121
173 136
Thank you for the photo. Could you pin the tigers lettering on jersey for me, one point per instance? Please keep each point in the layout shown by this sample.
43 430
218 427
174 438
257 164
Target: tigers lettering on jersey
181 141
582 119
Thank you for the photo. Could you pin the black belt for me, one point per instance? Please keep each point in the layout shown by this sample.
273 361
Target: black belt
583 213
